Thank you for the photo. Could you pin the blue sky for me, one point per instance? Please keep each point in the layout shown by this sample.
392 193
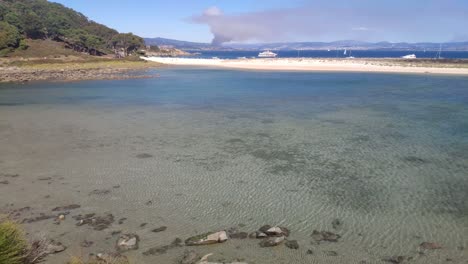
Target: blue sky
279 20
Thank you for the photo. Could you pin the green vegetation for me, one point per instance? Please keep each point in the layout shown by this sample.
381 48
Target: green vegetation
43 20
13 245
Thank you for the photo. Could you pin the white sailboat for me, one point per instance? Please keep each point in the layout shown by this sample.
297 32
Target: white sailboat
350 56
345 51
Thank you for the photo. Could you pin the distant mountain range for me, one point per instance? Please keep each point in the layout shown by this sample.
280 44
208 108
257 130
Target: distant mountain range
344 44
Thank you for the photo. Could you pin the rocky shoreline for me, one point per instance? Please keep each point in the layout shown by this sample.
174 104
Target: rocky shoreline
21 75
267 236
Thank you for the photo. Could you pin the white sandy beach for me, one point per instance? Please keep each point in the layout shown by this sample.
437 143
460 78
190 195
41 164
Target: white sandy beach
309 64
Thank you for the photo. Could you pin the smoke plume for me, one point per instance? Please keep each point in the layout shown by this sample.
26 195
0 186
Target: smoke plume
359 20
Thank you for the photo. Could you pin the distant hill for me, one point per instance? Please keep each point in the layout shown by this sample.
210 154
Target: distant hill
183 45
348 44
23 20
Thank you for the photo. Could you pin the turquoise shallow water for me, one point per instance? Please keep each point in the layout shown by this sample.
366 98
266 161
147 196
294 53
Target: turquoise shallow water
386 154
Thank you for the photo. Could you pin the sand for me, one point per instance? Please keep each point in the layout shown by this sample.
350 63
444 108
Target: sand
334 65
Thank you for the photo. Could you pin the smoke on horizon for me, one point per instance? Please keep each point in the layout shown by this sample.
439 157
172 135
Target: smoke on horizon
321 22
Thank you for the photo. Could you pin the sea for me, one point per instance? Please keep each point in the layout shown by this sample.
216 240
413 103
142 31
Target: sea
381 160
334 54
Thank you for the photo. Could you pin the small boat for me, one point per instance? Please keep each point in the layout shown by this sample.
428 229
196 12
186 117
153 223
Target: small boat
409 56
267 54
345 51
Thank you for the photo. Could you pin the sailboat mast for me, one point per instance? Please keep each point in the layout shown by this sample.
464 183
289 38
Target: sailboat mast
440 50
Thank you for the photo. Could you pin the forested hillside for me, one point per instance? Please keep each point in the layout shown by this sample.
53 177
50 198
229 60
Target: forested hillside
43 20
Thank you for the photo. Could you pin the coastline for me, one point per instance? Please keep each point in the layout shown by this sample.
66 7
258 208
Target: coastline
326 65
17 70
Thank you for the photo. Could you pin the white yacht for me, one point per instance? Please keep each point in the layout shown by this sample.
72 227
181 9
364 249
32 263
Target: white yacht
409 56
267 54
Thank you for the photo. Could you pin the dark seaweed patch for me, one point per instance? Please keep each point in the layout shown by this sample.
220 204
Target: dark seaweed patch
144 156
414 160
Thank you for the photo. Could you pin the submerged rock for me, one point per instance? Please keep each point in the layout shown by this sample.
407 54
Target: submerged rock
430 245
97 222
292 244
86 243
163 249
66 207
397 259
337 224
159 229
234 233
204 260
325 236
190 257
54 247
100 192
207 238
144 156
41 217
271 241
127 242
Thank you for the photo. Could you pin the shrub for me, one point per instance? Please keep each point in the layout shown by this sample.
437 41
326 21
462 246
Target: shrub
13 245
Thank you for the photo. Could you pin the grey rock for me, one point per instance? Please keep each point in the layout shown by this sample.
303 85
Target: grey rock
207 238
264 228
277 231
127 242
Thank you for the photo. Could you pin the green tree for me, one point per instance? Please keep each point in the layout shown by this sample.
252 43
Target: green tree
9 36
128 42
